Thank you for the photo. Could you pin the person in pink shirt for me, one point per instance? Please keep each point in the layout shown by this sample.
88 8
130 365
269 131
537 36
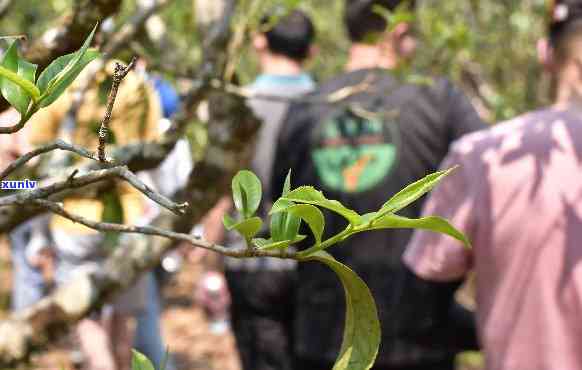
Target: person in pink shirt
517 195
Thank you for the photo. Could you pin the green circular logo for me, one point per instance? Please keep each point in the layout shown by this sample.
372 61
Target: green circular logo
353 153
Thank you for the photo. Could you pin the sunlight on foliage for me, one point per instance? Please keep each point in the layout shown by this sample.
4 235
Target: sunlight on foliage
362 329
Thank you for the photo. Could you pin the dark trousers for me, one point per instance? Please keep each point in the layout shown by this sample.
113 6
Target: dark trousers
262 318
316 365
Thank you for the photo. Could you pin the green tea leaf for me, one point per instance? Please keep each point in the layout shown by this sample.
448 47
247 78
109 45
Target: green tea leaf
261 242
291 227
265 245
246 192
17 80
10 90
60 81
27 70
53 81
309 195
280 205
413 191
312 216
228 222
432 223
284 226
361 338
287 185
247 228
279 220
52 70
63 65
140 362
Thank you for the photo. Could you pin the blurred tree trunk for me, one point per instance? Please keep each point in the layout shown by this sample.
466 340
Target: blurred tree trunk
231 130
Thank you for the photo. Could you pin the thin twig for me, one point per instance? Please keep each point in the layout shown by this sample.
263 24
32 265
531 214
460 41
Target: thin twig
46 191
118 75
72 176
153 195
58 144
14 128
20 37
155 231
92 177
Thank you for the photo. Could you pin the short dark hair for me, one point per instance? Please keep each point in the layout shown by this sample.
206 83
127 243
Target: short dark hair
561 14
565 22
361 20
291 36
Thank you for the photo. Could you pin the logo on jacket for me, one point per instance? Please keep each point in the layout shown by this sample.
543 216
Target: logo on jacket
354 152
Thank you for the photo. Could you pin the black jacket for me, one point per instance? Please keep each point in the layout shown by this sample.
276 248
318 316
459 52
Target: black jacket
361 163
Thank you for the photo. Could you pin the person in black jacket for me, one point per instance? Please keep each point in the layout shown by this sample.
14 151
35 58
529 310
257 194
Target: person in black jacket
360 138
261 288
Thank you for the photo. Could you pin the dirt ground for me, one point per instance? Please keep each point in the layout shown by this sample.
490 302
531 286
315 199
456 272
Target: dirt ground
185 327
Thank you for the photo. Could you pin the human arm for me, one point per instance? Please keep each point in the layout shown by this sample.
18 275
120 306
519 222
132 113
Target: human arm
435 267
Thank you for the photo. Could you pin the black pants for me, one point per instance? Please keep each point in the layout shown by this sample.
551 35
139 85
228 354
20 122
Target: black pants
262 318
316 365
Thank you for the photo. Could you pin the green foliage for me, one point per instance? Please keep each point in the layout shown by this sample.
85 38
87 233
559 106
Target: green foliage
62 71
17 78
247 228
311 215
401 14
432 223
140 362
309 195
489 48
246 192
269 244
18 86
284 225
491 43
362 329
413 191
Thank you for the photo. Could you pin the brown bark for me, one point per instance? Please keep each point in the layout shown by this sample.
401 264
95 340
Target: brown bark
233 128
231 133
137 157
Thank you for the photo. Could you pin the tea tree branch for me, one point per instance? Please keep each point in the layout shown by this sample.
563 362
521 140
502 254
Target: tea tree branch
92 177
58 144
155 231
118 75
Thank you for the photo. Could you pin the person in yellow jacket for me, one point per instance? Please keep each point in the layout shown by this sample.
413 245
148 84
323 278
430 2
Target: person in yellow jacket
105 338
